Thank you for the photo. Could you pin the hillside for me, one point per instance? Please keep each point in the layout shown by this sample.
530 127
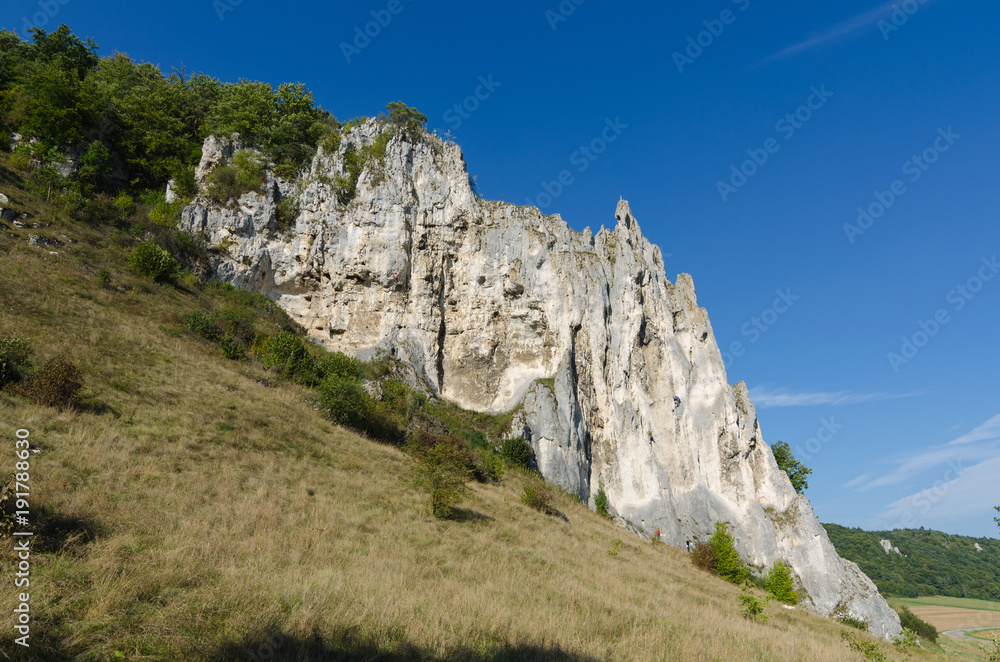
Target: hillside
928 563
206 484
199 508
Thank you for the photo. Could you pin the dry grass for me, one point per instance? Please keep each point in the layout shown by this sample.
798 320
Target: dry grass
191 513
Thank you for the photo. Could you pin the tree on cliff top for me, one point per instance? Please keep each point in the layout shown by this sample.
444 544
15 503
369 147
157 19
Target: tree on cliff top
795 470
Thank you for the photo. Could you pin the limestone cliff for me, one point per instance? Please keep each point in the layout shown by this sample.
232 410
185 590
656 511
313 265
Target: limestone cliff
497 306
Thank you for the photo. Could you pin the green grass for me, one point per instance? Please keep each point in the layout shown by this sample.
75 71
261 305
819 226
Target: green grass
940 601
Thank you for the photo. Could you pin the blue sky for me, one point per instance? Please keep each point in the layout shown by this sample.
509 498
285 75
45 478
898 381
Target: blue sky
826 107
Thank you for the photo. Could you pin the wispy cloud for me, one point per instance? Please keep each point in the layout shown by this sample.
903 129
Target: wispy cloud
857 481
839 32
977 445
972 492
765 397
987 431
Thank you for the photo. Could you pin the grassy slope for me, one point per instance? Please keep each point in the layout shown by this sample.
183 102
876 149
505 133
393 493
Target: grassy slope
193 513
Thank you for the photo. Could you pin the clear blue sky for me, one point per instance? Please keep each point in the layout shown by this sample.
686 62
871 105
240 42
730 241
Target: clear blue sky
906 444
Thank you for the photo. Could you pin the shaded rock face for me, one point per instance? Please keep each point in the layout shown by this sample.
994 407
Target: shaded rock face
498 307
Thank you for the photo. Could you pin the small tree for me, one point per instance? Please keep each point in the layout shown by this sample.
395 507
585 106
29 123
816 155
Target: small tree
601 501
751 606
516 451
795 470
997 519
151 261
14 353
410 120
443 474
728 563
703 556
780 585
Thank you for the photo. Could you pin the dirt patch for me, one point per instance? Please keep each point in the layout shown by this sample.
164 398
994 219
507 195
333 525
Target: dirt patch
952 618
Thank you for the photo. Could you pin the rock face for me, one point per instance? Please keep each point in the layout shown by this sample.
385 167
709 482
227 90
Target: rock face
887 546
498 307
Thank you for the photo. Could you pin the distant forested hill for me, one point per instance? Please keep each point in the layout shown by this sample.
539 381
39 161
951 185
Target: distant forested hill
929 562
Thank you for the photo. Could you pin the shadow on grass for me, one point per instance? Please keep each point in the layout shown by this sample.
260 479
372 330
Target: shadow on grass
56 532
464 515
44 643
348 644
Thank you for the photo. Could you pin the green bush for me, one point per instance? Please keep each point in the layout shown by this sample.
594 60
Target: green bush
150 261
442 473
345 402
728 563
601 502
910 620
517 452
751 606
243 174
185 184
288 353
57 384
616 548
409 120
286 213
14 365
537 495
780 586
231 348
856 623
869 649
103 279
341 365
203 325
493 465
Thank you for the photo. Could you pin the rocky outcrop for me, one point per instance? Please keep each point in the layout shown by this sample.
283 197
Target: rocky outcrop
498 307
887 546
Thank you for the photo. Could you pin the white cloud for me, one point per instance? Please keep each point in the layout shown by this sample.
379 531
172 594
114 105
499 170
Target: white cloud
966 492
955 454
764 397
987 431
856 481
838 32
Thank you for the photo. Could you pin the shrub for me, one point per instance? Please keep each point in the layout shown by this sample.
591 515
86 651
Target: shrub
924 629
203 325
601 502
345 402
243 174
906 639
850 621
703 556
537 495
995 654
57 384
340 365
728 563
103 279
442 473
231 348
780 586
869 649
185 184
286 213
14 353
517 452
616 548
150 261
751 606
409 120
288 353
493 465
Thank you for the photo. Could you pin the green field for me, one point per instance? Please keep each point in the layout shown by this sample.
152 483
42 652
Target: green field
940 601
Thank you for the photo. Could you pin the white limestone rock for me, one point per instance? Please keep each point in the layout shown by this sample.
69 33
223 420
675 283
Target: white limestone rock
495 306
